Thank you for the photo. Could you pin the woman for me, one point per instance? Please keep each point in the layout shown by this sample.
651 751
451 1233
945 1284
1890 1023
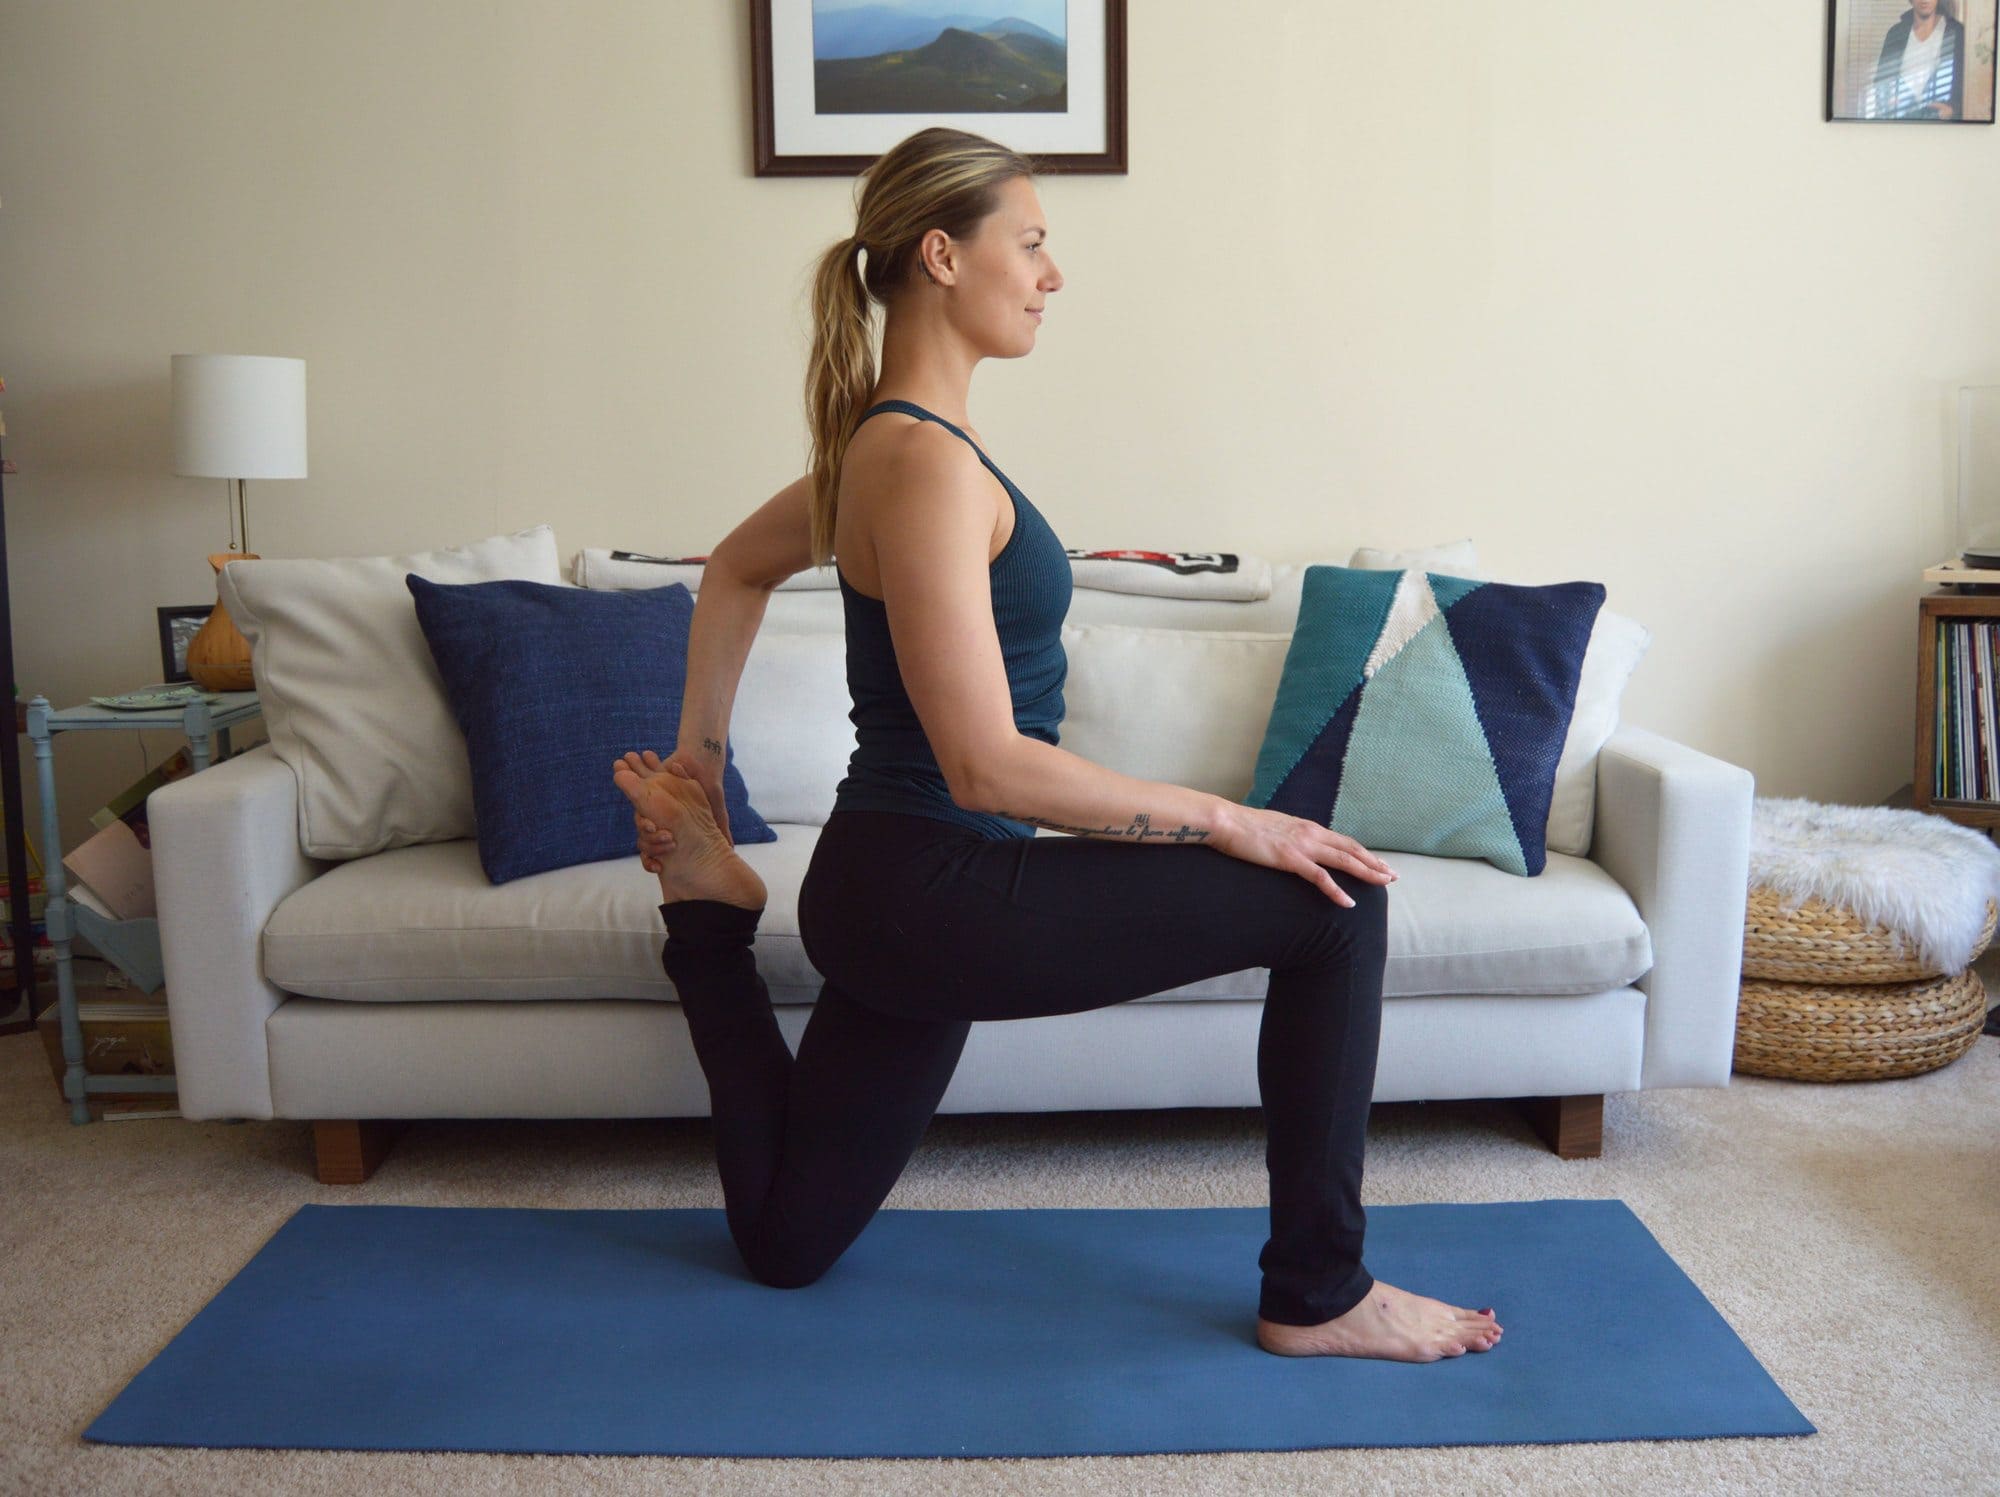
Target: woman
929 904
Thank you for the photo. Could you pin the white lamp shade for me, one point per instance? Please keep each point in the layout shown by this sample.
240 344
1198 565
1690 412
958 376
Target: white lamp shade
239 415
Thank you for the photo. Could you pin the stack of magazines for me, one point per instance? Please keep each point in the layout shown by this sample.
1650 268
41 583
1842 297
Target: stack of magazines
1967 763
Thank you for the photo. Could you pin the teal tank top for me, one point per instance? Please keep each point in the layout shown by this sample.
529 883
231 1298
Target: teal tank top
892 767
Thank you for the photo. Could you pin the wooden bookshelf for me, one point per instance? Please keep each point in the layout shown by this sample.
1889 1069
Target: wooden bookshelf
1953 601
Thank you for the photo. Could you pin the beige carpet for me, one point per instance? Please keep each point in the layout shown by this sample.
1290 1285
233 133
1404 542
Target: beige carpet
1846 1232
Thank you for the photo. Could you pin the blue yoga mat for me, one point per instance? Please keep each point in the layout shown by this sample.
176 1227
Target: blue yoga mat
939 1333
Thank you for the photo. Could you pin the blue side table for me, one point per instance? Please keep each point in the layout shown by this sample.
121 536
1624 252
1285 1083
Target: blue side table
198 720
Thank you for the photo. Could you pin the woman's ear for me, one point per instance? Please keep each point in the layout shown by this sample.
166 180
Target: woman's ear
943 248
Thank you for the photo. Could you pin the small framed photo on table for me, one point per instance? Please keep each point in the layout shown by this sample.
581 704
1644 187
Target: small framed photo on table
178 627
835 83
1910 61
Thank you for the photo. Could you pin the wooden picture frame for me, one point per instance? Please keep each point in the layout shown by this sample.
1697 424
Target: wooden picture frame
1874 77
804 56
178 627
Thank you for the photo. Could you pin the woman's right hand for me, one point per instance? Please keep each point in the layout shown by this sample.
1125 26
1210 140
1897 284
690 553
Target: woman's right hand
1277 839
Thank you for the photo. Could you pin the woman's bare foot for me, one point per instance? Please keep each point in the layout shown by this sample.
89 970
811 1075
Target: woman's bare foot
1390 1323
701 864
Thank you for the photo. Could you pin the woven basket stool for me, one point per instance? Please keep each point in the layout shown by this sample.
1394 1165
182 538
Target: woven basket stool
1826 997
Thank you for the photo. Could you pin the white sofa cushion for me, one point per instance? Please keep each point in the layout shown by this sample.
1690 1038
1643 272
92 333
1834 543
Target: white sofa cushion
351 697
1187 706
423 923
789 725
1617 645
1453 558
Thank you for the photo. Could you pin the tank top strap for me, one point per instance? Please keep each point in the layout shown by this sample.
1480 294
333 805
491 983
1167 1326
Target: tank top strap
911 408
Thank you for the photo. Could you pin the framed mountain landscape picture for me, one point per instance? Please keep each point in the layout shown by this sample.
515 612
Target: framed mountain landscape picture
838 82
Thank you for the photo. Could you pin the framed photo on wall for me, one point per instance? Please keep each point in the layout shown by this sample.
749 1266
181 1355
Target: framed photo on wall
838 82
178 627
1910 61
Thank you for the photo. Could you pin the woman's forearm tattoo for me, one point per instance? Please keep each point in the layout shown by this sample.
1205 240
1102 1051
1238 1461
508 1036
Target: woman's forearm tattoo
709 745
1141 829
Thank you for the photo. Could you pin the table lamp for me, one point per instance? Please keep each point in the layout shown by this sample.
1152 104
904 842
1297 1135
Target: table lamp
236 416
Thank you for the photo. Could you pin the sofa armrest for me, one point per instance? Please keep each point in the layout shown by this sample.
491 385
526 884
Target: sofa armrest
1672 826
226 851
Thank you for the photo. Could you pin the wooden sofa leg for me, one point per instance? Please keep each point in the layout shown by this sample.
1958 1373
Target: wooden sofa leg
1572 1126
346 1151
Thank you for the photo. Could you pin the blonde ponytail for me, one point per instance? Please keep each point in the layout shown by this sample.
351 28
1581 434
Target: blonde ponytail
839 376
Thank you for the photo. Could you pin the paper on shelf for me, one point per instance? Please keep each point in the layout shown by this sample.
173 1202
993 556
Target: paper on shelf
118 869
84 895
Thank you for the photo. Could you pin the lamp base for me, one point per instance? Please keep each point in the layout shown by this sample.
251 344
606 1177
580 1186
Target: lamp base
218 657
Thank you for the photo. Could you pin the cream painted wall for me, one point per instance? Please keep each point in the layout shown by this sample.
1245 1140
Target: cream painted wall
1595 285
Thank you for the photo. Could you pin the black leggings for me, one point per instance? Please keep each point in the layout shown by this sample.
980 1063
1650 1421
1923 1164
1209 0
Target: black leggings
920 926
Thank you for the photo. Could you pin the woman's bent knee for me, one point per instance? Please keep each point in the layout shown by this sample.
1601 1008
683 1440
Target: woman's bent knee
788 1277
1369 897
1334 929
1368 921
787 1267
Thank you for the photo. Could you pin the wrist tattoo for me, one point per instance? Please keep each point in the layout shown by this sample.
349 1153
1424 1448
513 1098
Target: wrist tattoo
1140 829
711 746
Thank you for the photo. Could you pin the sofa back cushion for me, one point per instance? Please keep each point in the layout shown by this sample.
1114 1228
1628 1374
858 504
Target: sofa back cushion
1181 705
790 728
550 686
1172 689
351 697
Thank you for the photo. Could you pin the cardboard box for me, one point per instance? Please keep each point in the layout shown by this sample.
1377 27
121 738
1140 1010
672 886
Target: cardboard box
108 1107
121 1037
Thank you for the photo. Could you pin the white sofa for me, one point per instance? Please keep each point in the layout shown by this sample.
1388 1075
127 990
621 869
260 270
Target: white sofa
367 992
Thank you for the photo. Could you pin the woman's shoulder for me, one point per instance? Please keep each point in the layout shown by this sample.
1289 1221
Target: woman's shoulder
894 450
913 471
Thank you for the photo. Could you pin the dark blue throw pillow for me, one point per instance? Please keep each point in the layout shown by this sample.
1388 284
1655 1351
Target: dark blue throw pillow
550 685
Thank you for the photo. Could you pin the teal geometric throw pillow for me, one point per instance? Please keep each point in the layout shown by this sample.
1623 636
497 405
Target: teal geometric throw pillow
1425 713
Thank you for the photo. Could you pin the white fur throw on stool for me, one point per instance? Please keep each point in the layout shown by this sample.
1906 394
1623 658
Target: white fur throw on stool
1919 876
